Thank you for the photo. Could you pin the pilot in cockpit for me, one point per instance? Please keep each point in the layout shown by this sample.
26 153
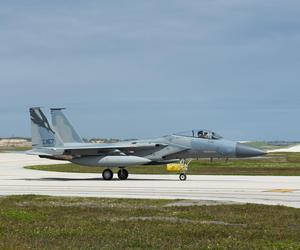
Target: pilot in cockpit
203 134
200 134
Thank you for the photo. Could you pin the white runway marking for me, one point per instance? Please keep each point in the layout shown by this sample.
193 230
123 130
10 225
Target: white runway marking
272 190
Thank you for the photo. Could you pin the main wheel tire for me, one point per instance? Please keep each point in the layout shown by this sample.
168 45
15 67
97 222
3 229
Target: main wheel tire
107 174
182 177
123 174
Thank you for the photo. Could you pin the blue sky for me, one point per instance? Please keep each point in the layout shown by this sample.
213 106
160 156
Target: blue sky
138 69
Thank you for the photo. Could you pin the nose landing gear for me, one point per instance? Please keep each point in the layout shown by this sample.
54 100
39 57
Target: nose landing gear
180 168
184 169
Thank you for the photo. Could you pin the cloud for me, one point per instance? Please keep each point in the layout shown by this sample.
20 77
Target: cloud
211 62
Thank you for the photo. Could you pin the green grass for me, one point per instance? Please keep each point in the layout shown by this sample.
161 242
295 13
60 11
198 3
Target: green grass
275 164
42 222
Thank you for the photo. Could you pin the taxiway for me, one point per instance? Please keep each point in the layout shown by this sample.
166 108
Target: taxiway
271 190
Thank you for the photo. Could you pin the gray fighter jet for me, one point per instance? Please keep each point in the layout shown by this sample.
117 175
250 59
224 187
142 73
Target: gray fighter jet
61 142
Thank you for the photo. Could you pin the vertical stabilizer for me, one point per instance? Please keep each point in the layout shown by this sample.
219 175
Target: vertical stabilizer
42 133
63 127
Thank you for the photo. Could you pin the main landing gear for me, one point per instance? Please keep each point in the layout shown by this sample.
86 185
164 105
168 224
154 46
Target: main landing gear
123 174
107 174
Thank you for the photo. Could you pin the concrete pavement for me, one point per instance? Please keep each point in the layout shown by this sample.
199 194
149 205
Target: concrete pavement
272 190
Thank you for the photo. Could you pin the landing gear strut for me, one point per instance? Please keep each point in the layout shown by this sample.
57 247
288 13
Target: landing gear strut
123 174
107 174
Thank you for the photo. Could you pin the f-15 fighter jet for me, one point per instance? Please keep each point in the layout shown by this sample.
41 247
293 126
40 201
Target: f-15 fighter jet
60 141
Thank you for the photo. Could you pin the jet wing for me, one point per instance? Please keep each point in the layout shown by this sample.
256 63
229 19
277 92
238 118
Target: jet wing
110 149
168 152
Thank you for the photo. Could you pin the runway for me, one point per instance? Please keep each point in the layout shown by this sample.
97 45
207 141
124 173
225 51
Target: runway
271 190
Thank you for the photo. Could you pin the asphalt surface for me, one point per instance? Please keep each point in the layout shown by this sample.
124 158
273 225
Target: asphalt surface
271 190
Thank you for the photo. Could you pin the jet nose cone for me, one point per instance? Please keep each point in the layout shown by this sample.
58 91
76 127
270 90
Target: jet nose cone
247 151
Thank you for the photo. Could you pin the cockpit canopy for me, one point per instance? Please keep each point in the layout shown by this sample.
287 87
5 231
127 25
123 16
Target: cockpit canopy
201 133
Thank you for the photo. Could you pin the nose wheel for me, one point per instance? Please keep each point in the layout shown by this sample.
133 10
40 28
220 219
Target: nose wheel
182 177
